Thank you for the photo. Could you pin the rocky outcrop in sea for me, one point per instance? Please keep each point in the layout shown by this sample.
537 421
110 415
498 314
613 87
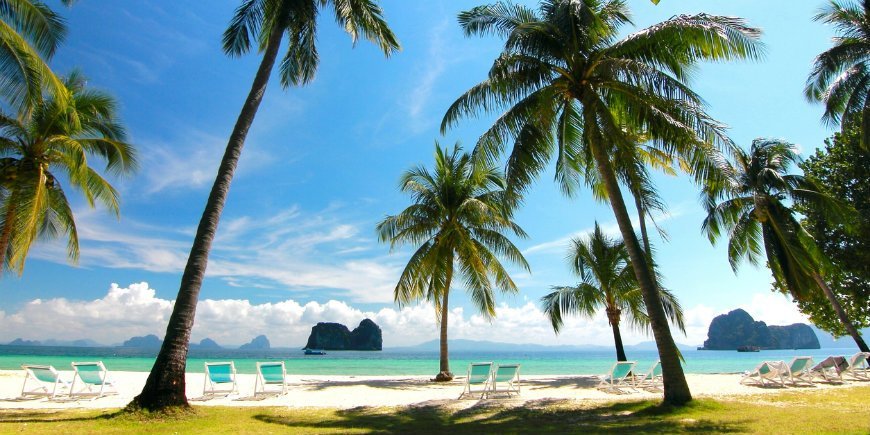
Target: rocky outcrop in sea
738 328
335 336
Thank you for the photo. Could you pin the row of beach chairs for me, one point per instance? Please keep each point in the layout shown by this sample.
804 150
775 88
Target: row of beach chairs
220 379
622 378
801 371
90 379
489 379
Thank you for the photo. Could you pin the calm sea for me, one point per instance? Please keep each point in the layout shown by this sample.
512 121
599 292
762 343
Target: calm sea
396 363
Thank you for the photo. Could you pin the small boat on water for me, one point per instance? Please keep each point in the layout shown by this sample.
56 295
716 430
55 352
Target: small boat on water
314 352
748 349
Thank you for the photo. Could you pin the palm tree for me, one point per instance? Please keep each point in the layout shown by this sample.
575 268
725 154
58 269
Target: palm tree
606 280
749 206
49 144
30 32
840 77
572 91
266 22
457 219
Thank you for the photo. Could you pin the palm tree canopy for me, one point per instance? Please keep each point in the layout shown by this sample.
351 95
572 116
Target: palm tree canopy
53 143
606 281
256 19
840 77
30 32
564 80
457 217
751 208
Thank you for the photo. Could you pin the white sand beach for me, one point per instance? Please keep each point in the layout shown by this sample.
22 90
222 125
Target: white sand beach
354 391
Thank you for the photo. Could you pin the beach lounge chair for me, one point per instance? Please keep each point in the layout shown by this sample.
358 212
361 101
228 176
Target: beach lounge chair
771 371
857 369
830 369
799 370
45 381
652 379
220 378
479 375
505 379
270 374
93 380
618 377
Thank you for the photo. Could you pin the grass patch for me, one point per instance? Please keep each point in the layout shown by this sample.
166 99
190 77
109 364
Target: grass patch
838 411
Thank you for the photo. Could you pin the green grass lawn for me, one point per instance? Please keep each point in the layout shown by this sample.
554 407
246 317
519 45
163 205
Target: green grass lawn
841 411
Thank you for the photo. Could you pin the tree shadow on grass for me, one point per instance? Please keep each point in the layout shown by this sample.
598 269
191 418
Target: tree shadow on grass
543 417
52 416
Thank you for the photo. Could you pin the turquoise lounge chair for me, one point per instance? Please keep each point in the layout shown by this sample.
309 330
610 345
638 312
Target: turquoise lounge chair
618 378
799 370
220 378
45 382
505 379
772 372
652 379
857 369
479 375
270 373
91 375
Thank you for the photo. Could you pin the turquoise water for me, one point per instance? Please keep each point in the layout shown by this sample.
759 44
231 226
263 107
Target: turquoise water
395 363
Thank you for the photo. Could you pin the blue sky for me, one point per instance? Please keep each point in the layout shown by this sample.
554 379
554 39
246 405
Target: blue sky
320 168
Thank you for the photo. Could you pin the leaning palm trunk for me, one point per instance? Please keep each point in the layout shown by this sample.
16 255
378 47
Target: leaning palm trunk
165 386
676 389
841 313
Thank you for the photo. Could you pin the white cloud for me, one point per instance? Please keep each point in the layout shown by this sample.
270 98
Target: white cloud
136 310
774 309
289 249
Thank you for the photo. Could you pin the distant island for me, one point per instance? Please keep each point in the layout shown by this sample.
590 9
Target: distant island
335 336
738 329
258 343
149 341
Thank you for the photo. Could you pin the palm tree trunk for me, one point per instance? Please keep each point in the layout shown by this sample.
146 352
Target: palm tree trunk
165 386
676 389
641 216
6 235
444 374
841 313
613 318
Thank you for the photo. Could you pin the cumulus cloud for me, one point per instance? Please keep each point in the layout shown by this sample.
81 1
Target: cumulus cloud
136 310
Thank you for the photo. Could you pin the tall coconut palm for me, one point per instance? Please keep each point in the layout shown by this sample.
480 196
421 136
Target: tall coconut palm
266 22
30 32
51 144
606 281
750 207
571 89
457 220
840 77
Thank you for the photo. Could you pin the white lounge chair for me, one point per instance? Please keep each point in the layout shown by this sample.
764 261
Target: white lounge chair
652 379
273 374
799 370
830 369
220 378
479 375
857 369
771 371
618 377
45 381
505 379
93 378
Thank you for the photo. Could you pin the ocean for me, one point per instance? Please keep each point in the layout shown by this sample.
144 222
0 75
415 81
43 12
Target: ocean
399 363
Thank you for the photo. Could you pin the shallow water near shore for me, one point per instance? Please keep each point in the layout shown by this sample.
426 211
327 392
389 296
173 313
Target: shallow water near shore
399 363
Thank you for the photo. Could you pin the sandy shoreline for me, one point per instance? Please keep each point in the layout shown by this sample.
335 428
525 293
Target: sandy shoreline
353 391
